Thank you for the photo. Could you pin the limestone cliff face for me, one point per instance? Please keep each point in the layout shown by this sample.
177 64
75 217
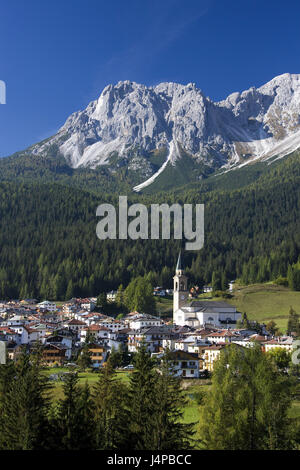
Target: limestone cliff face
129 118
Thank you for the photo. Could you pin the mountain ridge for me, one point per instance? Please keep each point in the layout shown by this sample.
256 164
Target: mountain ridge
130 124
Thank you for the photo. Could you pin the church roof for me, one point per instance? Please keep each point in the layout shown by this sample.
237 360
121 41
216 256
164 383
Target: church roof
179 265
211 304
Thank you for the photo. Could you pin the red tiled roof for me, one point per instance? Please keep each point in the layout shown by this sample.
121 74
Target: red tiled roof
7 330
76 322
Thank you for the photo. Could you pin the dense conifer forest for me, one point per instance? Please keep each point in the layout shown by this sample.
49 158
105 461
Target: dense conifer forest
49 248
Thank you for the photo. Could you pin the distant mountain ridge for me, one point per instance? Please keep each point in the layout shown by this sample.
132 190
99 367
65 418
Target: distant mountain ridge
151 130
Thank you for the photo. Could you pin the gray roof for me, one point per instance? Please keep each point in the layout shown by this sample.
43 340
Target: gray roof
152 330
208 305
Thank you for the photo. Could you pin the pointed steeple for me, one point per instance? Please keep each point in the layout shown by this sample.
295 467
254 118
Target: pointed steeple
180 291
179 265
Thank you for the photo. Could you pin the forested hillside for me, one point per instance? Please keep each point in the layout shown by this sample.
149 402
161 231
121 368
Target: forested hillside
49 248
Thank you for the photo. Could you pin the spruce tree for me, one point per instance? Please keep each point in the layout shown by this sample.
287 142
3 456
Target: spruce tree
142 401
111 417
24 405
73 415
85 410
224 281
170 432
293 325
115 357
84 359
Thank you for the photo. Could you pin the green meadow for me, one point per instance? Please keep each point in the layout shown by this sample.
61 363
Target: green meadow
263 302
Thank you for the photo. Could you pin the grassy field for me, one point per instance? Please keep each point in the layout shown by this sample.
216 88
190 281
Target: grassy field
164 307
88 376
265 302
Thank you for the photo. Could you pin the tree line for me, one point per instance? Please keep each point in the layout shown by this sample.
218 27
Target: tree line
247 407
146 414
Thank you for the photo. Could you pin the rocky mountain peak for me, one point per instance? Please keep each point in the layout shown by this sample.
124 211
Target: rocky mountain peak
130 118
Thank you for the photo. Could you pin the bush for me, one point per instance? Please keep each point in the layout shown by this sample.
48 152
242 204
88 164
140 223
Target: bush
281 281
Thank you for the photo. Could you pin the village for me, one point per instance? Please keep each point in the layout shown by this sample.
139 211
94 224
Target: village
194 337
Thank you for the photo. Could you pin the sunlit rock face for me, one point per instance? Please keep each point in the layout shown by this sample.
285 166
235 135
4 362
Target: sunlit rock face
130 120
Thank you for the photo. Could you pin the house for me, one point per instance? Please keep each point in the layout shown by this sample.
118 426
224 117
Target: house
111 324
61 340
46 305
26 334
283 343
210 355
87 305
98 353
207 289
198 348
75 325
94 331
54 354
111 296
13 350
9 335
69 308
170 340
185 364
16 320
144 321
42 329
223 336
182 344
152 338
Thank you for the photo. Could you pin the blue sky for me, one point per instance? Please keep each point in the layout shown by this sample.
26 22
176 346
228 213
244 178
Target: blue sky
57 56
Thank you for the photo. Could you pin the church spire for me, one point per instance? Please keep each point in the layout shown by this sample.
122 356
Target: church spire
179 265
180 292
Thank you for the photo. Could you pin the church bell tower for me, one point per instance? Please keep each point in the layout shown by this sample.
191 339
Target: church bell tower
180 292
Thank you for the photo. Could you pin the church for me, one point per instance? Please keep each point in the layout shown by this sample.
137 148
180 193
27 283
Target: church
199 313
